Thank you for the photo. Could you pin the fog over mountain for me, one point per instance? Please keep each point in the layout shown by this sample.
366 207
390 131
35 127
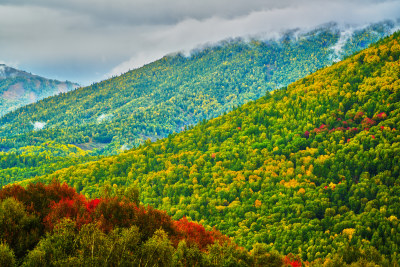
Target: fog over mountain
86 41
19 88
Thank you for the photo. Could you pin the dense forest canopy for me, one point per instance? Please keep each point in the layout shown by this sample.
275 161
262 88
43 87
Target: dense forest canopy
311 169
166 96
52 225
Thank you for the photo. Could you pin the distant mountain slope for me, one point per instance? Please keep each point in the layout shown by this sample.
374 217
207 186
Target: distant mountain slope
19 88
177 91
311 169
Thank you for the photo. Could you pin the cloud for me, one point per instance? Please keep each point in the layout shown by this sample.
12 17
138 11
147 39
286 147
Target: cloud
104 117
337 48
185 35
84 40
151 12
37 125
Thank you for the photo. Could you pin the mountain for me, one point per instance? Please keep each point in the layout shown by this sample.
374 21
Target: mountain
310 169
19 88
178 91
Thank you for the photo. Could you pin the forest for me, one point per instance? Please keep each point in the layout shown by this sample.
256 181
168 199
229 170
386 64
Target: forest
311 169
251 175
52 225
166 96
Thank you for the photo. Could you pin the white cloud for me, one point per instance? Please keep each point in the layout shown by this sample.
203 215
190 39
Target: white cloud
124 147
185 35
37 125
103 117
82 40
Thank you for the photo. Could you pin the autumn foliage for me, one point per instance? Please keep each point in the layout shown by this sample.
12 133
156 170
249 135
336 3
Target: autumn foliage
53 203
195 234
291 261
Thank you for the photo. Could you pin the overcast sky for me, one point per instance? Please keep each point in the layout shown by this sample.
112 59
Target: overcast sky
89 40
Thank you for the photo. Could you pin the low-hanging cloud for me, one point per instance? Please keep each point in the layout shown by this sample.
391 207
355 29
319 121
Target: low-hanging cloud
90 40
103 117
37 125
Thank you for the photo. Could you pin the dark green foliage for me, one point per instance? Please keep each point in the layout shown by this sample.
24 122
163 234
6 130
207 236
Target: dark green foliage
18 228
326 178
31 161
263 257
157 251
7 257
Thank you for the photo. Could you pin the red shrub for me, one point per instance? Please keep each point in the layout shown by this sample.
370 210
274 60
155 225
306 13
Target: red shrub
321 128
150 220
111 213
37 197
290 260
92 204
194 233
15 191
73 209
380 116
358 115
368 123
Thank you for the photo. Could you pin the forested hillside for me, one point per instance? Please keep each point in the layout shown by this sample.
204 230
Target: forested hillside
19 88
311 169
54 226
163 97
37 160
176 91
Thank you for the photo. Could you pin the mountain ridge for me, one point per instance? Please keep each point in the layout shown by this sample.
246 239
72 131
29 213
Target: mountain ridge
176 91
19 88
318 156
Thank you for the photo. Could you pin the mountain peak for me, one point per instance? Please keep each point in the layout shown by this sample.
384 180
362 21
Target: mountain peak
19 88
9 72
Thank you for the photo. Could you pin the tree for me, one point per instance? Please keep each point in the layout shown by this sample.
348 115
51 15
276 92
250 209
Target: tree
18 229
157 251
7 257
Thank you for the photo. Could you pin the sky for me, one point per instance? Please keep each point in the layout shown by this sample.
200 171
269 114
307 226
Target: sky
86 41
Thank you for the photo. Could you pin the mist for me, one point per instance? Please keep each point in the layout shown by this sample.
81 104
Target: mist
37 125
87 41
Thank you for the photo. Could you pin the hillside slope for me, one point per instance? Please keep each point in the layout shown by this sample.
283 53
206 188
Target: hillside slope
176 91
19 88
308 169
52 225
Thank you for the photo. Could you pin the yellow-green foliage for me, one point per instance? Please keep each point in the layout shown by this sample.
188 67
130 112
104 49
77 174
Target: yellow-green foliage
295 169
